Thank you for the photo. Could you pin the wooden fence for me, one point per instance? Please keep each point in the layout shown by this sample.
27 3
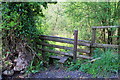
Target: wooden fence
90 44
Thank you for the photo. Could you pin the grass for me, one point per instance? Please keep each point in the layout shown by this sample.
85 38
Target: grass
104 67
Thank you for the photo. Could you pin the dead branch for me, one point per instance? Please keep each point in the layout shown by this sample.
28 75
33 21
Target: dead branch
92 60
34 53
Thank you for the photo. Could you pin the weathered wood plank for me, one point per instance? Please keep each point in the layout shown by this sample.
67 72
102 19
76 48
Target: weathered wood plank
56 57
84 44
57 40
83 51
119 42
67 54
64 47
56 46
64 38
56 37
97 45
62 60
43 55
65 41
101 27
93 36
75 45
93 40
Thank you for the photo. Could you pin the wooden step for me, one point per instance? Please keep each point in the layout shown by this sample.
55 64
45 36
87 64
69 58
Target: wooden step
61 59
56 57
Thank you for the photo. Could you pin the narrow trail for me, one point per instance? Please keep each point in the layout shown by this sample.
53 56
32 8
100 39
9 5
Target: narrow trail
60 73
55 72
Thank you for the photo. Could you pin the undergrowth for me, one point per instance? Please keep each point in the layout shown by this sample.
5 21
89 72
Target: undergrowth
36 65
104 67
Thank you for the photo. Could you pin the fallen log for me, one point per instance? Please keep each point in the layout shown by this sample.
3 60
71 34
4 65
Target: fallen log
92 60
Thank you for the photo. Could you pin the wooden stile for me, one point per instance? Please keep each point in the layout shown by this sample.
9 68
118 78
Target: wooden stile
91 44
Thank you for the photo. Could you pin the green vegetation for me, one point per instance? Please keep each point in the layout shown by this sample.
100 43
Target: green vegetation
64 18
19 29
106 66
23 23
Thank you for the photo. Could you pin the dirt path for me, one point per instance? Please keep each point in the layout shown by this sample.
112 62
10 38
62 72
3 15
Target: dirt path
60 73
53 72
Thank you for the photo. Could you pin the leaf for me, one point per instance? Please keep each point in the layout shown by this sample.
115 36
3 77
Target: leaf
12 24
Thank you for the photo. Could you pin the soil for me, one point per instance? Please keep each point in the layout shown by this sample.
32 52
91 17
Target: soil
54 72
61 72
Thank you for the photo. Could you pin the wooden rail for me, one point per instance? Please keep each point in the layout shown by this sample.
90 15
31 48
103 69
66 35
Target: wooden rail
67 54
64 47
55 37
65 41
97 45
102 27
90 44
93 44
74 49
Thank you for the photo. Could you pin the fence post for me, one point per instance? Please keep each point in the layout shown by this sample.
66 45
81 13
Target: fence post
75 45
93 40
43 53
119 48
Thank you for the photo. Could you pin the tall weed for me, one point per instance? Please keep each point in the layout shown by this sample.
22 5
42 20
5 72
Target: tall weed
104 67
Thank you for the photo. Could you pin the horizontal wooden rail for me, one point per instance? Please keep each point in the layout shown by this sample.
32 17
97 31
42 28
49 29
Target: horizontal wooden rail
64 47
83 51
65 41
56 37
97 45
101 27
57 40
67 54
64 38
55 46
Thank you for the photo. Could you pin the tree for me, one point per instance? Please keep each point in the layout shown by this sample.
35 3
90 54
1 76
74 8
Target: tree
86 15
19 31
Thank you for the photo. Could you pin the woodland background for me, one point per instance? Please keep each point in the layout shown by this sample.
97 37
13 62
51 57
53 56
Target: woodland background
23 22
